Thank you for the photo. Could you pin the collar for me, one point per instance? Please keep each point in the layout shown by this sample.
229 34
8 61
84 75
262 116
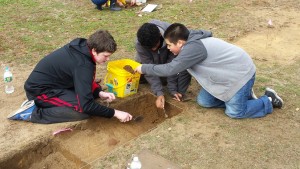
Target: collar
93 57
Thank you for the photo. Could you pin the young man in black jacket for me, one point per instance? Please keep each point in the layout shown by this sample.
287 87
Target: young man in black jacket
62 86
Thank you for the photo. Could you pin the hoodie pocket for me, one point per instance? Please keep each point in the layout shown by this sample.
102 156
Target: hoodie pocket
217 81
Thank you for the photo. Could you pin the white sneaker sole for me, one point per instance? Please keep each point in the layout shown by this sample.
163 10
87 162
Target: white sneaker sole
253 95
25 105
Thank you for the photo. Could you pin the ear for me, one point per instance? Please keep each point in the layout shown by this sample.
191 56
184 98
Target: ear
94 52
180 43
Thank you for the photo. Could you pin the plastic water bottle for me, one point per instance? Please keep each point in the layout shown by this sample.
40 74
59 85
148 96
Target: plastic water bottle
8 77
135 163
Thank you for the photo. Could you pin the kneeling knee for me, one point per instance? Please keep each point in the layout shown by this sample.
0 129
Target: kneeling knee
235 114
204 104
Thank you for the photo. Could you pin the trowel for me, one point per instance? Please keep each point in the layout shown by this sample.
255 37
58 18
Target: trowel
137 118
166 115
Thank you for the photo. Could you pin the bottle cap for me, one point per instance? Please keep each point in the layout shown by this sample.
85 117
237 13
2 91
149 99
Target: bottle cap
135 158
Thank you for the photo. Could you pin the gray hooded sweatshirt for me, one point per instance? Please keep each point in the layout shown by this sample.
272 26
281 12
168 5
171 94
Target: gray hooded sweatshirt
176 83
219 67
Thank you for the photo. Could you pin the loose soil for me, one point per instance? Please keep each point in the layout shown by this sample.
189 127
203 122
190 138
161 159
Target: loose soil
129 69
92 138
195 138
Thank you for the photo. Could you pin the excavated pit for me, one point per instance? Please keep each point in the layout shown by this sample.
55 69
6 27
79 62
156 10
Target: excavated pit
91 139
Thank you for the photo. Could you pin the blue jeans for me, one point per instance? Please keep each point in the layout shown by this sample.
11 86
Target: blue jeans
241 105
99 2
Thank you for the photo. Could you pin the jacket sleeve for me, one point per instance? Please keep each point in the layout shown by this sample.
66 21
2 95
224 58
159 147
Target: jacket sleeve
83 80
96 88
187 58
145 57
172 80
179 82
184 80
172 84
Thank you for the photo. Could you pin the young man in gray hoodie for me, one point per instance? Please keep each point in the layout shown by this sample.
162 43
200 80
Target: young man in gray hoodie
151 49
225 72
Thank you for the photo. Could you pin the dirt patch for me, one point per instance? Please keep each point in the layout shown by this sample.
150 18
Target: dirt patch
129 69
93 138
276 45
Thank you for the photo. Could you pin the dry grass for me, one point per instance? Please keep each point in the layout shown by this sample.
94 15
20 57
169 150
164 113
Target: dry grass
32 28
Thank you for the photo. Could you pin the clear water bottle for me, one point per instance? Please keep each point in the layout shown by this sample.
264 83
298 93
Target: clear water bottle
135 163
8 77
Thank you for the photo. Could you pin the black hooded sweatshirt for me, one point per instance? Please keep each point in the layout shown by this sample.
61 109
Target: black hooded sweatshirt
71 67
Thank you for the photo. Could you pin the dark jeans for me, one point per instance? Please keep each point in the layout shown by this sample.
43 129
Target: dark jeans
99 2
57 105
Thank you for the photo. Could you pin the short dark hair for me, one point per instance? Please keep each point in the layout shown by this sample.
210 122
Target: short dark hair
148 35
102 41
176 32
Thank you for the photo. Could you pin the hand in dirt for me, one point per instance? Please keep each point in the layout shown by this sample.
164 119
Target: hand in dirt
122 116
139 69
160 102
109 97
177 97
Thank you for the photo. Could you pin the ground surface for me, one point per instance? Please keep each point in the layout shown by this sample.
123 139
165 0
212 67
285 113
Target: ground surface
195 138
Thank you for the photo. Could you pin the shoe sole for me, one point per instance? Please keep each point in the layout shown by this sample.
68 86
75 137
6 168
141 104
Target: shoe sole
253 95
273 91
25 106
25 102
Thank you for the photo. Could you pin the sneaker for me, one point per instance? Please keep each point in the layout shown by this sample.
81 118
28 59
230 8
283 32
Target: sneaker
99 7
24 112
277 102
253 95
115 8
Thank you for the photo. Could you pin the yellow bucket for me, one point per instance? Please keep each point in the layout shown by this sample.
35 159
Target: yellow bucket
122 1
119 81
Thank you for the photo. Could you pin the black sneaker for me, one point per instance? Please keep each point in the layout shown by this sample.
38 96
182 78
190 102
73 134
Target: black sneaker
99 7
277 102
114 8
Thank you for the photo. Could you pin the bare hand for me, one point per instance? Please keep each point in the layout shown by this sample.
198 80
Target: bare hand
160 102
177 97
109 97
122 116
132 2
139 69
120 4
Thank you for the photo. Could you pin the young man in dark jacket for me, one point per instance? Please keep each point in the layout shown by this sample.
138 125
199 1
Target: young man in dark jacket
225 71
151 49
62 86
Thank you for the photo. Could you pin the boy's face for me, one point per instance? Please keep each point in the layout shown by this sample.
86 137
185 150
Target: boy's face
158 45
101 57
155 48
174 48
